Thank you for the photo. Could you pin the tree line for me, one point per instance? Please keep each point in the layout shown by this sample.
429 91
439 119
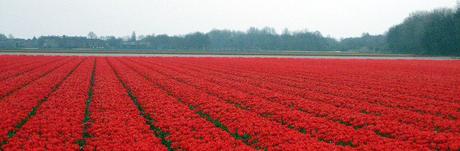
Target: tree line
435 32
219 40
429 32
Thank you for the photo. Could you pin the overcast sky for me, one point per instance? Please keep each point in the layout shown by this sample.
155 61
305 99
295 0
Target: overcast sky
337 18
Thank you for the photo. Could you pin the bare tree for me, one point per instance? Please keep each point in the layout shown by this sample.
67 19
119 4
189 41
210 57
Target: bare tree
10 36
92 35
133 36
458 5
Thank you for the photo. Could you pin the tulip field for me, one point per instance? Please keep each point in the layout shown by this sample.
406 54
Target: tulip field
199 103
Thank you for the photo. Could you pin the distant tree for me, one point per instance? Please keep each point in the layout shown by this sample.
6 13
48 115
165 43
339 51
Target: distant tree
3 37
439 35
286 32
92 35
457 30
435 32
113 42
196 41
366 42
458 5
133 36
224 40
10 36
141 37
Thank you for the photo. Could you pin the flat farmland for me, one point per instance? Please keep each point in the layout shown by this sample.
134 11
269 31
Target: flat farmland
230 103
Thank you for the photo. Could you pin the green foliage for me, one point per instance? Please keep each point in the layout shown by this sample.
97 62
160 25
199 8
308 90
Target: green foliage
253 39
435 33
267 39
365 43
3 37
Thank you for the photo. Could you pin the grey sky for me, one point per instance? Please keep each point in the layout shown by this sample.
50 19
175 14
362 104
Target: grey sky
337 18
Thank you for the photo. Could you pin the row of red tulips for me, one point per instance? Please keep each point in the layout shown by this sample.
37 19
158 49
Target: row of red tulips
57 122
135 103
15 83
13 70
19 106
259 133
8 63
340 89
406 117
320 128
307 92
407 133
114 118
421 79
186 129
425 76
